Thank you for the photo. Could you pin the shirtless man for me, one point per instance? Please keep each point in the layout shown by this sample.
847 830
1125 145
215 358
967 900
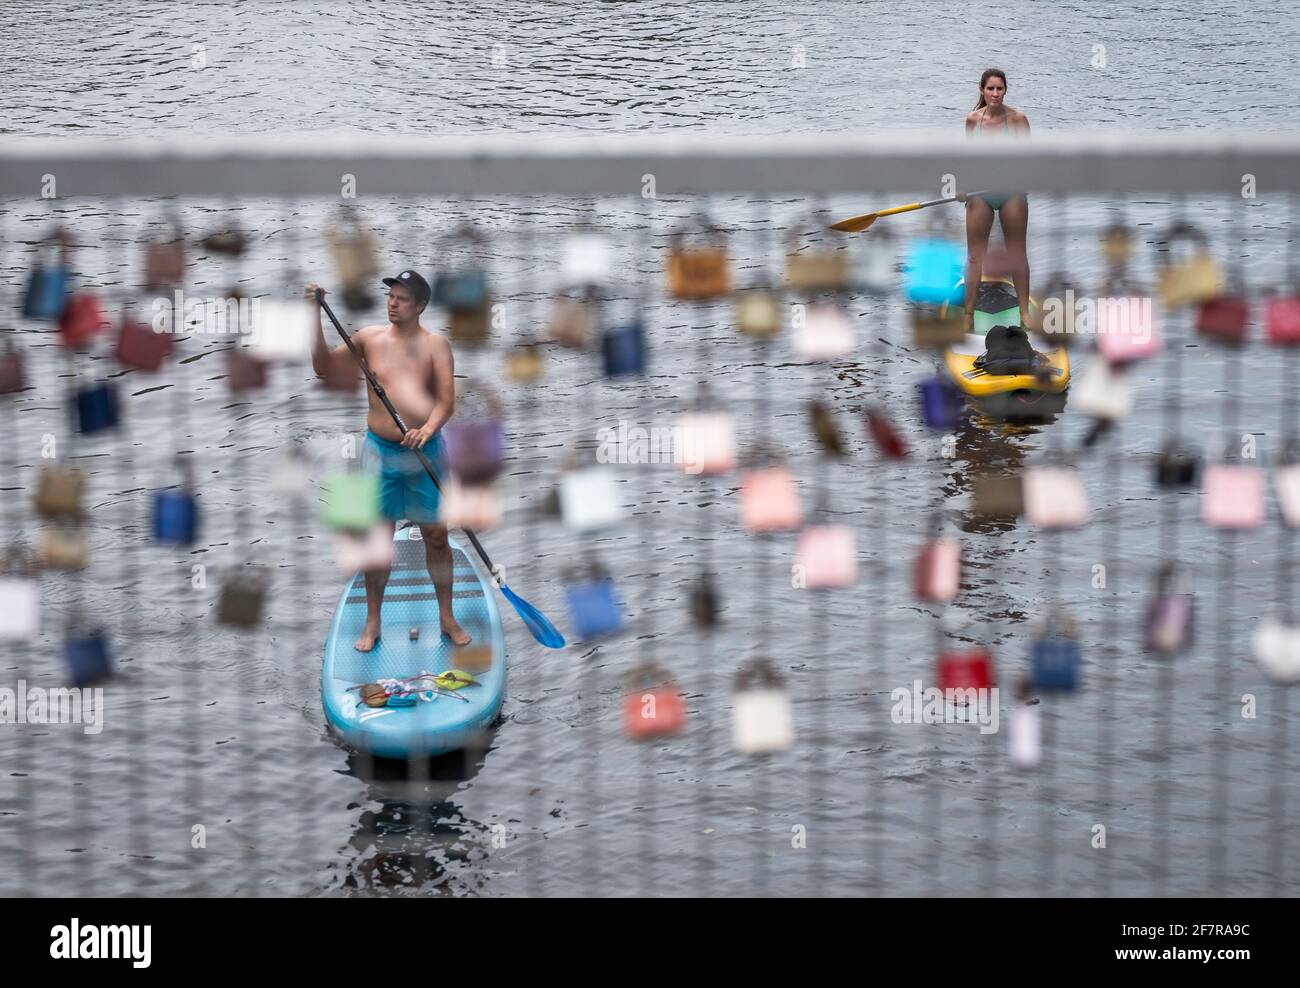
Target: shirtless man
415 367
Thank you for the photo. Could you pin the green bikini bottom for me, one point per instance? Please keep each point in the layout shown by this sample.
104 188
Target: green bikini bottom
1000 199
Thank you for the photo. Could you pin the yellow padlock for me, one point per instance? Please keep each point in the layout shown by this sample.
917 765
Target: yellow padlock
1196 275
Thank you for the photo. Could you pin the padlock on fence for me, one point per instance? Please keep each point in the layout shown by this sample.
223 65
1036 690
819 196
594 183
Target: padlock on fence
573 322
1233 495
1168 623
351 500
48 283
355 251
965 669
139 345
356 551
1126 327
164 261
823 331
699 272
476 507
96 407
86 657
1177 466
769 496
937 573
524 362
762 721
824 428
83 318
244 372
594 608
942 405
1189 272
937 326
13 369
624 349
932 270
705 606
1055 658
59 491
1282 315
813 269
653 706
996 496
758 314
176 512
1276 646
586 261
1054 497
243 597
20 611
1024 731
475 435
888 439
827 556
63 546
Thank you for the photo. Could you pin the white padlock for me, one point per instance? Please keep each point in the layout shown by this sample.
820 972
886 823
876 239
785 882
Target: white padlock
20 614
706 442
823 332
281 330
1277 649
762 721
1054 497
586 260
1102 391
1025 735
374 550
589 498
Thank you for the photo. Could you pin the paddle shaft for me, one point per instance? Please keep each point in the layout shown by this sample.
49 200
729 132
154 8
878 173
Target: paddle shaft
909 207
397 419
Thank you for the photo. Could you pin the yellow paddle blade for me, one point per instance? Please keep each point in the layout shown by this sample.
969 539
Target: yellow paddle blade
855 224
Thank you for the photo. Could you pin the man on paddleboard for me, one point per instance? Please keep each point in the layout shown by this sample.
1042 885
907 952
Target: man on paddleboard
415 367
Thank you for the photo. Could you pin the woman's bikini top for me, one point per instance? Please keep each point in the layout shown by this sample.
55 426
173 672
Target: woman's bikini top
1006 122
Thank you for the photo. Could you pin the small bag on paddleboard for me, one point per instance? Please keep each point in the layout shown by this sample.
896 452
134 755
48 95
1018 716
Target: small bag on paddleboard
1007 350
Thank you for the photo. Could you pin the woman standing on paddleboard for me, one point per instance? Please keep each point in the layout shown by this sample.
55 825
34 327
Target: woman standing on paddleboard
993 118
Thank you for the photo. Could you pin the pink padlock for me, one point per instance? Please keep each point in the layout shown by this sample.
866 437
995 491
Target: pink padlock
1054 497
1234 496
769 500
1126 329
1282 318
828 555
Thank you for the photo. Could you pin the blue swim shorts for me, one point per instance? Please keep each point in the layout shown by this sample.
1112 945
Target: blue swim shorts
405 490
999 199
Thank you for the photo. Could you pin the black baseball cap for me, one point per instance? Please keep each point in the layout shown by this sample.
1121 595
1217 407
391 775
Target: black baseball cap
415 282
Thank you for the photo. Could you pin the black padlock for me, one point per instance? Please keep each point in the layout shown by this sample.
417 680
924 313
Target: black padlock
242 599
1177 468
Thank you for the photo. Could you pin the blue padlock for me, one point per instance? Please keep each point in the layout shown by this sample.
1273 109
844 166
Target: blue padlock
624 350
96 407
1056 661
941 403
594 610
462 291
175 517
86 656
932 270
47 293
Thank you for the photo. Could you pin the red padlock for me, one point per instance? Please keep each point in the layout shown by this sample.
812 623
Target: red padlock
83 319
651 711
244 373
887 438
1282 316
965 669
140 347
1225 318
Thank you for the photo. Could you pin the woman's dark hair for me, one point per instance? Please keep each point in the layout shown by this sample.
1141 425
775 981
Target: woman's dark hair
989 74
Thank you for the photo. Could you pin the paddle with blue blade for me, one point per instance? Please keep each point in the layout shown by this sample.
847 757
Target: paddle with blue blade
537 623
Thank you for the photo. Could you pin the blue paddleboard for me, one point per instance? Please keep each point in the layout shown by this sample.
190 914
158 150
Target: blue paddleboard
426 728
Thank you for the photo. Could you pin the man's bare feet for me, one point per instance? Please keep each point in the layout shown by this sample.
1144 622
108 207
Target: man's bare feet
457 634
369 635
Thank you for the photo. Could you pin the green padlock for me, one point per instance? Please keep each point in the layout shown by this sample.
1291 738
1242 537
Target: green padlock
351 501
